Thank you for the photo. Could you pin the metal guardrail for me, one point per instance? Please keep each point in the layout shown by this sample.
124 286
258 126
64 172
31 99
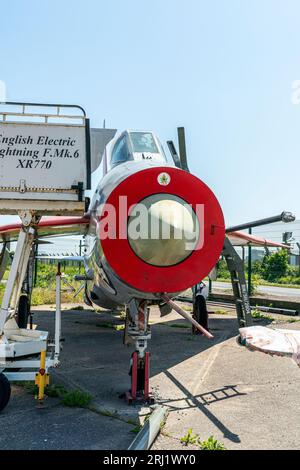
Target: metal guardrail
151 428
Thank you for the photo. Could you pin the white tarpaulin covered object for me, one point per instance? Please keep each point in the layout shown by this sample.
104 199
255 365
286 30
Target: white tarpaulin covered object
272 341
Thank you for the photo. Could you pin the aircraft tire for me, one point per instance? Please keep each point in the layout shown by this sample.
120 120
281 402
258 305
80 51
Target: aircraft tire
200 312
5 391
23 311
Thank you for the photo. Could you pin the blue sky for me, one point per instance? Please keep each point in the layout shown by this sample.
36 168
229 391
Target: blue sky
224 69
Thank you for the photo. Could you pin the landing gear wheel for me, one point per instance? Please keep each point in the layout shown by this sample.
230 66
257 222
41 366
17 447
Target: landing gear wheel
5 391
200 313
23 311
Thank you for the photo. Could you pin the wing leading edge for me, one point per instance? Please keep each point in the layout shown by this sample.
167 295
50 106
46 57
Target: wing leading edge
48 226
245 239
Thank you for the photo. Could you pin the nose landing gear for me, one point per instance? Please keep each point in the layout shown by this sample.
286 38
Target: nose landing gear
137 332
139 371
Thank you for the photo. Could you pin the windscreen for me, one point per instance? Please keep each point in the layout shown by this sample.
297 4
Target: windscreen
143 142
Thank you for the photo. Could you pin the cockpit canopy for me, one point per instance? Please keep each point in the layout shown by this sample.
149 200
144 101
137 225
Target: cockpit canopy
135 146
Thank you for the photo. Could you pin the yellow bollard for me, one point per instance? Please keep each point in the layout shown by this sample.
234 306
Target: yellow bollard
41 378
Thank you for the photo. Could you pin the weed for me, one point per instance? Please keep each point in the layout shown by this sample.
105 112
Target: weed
119 327
189 438
72 398
30 387
76 398
211 444
107 413
122 315
52 391
55 391
132 421
258 315
136 429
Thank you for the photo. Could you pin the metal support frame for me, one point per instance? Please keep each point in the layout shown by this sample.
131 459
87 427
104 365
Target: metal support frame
239 285
19 347
57 346
18 270
42 378
137 332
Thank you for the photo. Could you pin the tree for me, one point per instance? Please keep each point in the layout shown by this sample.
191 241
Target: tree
275 266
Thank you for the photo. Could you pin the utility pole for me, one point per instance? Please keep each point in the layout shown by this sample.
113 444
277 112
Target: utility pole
249 264
80 251
35 265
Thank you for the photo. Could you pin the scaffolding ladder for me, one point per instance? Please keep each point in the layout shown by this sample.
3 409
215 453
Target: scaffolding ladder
239 286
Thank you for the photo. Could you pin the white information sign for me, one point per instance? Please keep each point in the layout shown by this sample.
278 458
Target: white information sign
43 158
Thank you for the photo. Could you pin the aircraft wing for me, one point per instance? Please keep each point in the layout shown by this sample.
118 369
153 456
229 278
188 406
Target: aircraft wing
245 239
78 258
48 226
60 226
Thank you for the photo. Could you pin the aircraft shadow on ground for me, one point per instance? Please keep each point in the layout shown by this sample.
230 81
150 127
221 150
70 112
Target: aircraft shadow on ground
222 329
171 344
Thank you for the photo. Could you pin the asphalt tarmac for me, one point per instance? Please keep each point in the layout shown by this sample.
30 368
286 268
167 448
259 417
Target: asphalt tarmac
246 400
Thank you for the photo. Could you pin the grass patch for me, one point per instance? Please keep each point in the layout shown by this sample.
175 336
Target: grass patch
76 398
112 326
260 316
53 391
30 387
103 412
179 325
44 292
187 308
77 307
221 312
293 320
136 429
72 398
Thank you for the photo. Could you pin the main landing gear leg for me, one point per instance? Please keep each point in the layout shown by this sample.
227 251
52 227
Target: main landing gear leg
200 313
138 333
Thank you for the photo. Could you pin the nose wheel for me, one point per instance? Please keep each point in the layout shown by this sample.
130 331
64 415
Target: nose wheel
5 391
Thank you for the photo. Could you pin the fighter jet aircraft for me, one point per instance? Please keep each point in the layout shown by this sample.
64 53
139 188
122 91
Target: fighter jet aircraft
152 230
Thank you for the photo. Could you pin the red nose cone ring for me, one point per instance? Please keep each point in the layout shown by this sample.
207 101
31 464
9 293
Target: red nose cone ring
151 278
